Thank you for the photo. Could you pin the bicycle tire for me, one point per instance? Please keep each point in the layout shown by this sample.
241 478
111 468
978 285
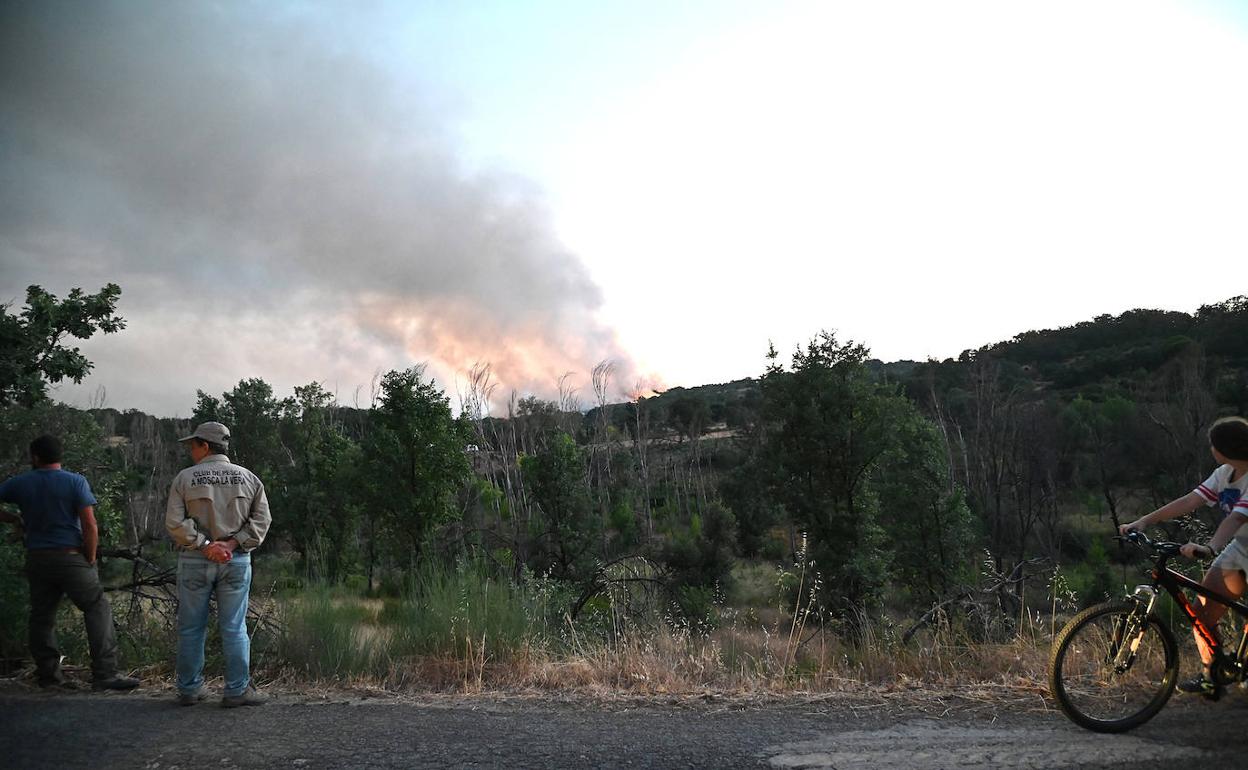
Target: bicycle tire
1083 678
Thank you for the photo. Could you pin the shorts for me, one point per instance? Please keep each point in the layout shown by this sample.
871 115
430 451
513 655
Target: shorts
1233 557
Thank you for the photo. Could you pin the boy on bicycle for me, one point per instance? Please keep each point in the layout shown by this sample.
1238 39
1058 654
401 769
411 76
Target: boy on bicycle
1228 441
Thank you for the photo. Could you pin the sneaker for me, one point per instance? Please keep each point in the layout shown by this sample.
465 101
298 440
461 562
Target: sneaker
1201 685
249 697
115 682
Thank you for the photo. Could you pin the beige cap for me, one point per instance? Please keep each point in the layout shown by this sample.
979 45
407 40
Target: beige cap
212 432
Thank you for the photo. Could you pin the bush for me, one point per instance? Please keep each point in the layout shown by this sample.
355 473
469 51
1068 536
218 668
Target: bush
624 522
1087 582
700 557
145 638
14 601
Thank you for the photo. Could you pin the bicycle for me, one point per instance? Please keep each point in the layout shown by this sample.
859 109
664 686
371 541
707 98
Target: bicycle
1114 665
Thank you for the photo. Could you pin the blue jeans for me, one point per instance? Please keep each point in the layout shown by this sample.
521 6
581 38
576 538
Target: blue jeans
198 578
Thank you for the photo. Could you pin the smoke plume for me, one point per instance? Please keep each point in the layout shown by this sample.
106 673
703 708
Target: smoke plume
275 201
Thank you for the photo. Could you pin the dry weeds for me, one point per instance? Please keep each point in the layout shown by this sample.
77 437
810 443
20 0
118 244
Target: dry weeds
733 666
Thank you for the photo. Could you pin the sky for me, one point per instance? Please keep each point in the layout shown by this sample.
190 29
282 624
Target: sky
325 191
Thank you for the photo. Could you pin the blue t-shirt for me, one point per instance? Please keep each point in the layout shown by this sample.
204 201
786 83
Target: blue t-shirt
50 500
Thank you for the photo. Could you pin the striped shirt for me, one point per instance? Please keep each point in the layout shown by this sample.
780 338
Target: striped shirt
1227 495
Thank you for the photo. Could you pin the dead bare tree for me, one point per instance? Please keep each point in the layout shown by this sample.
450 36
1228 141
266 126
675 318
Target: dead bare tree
600 446
1180 405
640 445
569 404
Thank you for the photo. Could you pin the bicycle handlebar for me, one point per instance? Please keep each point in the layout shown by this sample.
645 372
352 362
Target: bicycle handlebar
1164 547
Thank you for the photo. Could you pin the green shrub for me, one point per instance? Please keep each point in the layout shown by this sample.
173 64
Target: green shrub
145 638
1092 580
284 572
624 522
775 549
14 599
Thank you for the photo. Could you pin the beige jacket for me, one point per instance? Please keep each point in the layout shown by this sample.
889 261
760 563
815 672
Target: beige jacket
215 500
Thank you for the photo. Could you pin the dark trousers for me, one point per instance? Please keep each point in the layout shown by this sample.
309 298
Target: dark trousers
54 574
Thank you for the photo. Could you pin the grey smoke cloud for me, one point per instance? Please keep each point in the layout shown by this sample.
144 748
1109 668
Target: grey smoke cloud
252 173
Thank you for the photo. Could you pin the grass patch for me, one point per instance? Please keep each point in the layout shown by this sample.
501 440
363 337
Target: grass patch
462 628
447 612
754 584
328 635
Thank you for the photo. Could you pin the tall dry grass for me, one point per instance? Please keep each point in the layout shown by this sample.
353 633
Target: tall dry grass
461 630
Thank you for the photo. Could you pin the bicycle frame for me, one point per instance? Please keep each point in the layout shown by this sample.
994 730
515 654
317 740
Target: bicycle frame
1175 584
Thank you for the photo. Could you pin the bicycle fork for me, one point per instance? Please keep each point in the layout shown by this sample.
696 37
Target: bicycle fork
1129 630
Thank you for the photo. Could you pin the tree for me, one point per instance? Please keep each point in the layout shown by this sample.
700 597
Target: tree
826 426
1223 327
1179 402
320 486
536 420
1103 438
689 416
1008 454
414 460
253 415
32 353
930 529
566 526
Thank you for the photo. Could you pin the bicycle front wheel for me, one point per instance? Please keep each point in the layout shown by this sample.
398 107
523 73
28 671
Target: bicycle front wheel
1112 668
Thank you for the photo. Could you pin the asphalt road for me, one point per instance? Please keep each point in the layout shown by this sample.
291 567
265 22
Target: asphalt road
145 730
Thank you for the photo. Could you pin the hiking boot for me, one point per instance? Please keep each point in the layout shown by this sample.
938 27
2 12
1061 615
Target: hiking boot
191 698
57 684
115 682
1202 686
249 697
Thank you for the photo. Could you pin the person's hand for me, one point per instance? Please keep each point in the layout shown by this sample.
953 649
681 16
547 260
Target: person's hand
1134 526
218 552
1196 551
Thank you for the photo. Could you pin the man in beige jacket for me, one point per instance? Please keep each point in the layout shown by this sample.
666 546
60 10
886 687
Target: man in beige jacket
217 514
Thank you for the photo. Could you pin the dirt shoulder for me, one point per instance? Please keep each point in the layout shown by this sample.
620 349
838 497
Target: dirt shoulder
359 728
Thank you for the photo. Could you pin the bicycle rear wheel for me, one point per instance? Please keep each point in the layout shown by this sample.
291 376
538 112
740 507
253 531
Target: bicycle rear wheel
1112 668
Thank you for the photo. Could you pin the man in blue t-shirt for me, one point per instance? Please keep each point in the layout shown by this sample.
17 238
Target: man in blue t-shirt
58 516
